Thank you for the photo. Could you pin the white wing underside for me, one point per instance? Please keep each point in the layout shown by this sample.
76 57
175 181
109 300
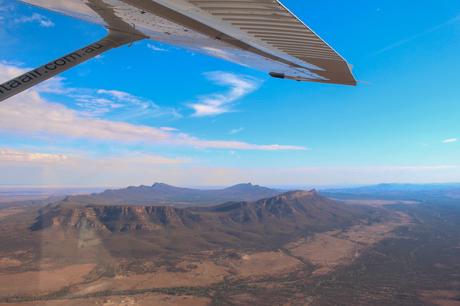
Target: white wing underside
262 34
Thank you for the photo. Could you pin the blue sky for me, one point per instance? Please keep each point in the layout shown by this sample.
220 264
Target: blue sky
128 117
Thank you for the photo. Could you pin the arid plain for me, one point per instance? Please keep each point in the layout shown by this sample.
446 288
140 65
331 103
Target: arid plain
295 248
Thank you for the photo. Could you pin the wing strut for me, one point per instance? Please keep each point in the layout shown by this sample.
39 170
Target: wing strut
113 40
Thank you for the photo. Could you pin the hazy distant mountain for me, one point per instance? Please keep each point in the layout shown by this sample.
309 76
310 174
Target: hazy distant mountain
163 194
419 192
261 223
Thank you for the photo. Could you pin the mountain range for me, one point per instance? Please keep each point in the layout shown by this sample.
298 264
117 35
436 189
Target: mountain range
264 223
167 195
274 248
292 248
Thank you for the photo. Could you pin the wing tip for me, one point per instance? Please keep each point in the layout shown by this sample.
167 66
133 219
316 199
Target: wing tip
279 75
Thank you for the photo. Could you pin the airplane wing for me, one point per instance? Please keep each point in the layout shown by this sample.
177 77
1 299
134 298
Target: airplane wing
262 34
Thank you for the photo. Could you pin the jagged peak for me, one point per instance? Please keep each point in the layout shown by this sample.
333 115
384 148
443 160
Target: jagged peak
299 193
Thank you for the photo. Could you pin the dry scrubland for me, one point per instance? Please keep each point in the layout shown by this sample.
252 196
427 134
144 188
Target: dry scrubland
324 252
370 262
145 299
9 212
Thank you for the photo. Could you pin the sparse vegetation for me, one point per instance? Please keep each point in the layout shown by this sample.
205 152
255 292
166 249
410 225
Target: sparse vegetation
398 255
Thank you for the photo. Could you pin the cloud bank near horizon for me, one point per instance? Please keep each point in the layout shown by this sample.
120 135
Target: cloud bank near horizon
31 168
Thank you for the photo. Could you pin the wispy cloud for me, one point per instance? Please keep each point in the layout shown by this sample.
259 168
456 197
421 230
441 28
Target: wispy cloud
119 104
30 114
219 103
43 21
12 155
169 129
450 140
418 35
236 131
68 169
15 155
156 48
6 6
115 104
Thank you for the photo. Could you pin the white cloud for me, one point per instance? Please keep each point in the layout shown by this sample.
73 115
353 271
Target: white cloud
12 155
450 140
96 102
8 71
168 129
38 18
114 103
15 155
155 48
236 131
125 105
30 114
31 168
216 104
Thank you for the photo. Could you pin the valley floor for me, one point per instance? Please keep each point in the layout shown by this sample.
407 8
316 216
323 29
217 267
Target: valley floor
395 262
